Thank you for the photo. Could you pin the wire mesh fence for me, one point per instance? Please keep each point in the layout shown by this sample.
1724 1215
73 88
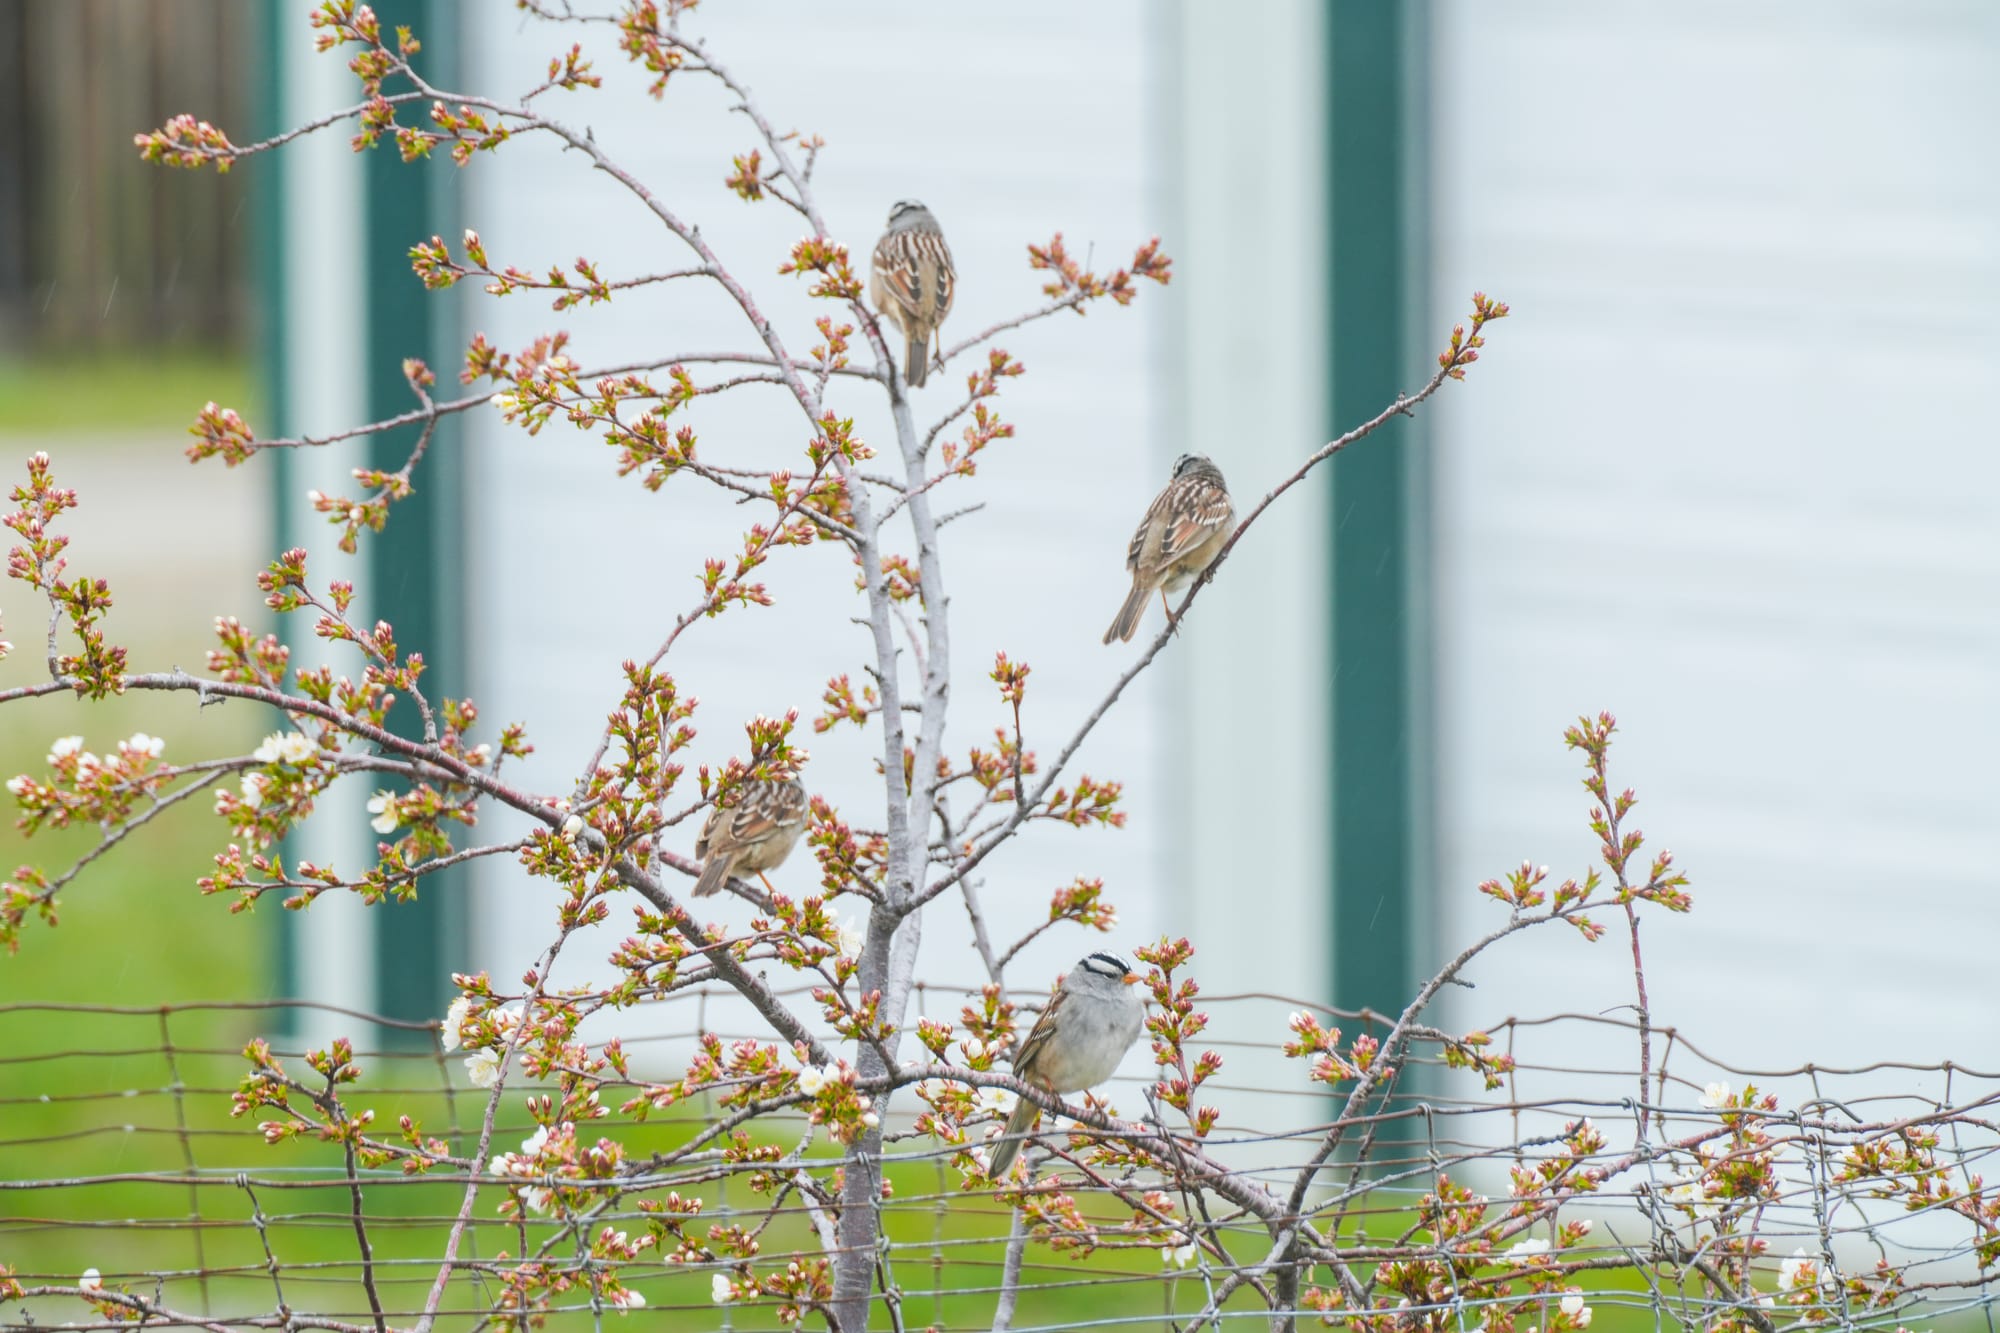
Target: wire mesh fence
1558 1199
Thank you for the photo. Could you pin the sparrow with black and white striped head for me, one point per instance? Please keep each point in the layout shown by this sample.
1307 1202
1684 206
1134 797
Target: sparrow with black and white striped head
754 833
1092 1020
1183 531
912 281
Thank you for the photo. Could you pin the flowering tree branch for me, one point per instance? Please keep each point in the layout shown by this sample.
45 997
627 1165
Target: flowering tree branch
837 1049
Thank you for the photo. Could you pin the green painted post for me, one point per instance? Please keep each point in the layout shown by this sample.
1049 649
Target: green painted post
413 565
267 202
1377 641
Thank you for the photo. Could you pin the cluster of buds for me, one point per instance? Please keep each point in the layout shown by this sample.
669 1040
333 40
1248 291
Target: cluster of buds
1079 285
1174 1022
98 670
186 142
640 38
432 262
221 431
1311 1038
986 427
1663 884
837 280
1464 349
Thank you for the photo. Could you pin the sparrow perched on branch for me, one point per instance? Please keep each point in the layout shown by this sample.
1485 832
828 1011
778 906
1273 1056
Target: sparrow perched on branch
1076 1043
1181 535
912 282
755 833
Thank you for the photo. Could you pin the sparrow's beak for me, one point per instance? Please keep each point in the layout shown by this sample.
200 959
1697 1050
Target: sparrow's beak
1129 979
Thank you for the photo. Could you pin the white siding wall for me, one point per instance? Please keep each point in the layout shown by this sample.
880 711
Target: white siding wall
1730 472
1248 696
1130 122
1036 133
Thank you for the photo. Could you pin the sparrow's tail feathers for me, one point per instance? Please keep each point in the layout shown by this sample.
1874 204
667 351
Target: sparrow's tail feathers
1128 614
1009 1144
714 874
917 361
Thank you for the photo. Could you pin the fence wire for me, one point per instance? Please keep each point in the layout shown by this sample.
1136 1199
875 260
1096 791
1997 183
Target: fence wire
1559 1200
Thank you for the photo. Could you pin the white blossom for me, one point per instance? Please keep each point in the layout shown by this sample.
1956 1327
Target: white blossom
811 1079
18 784
505 403
483 1068
535 1142
91 1280
871 1120
141 743
297 748
1573 1306
382 805
1691 1191
571 827
1792 1273
454 1019
851 941
1179 1256
538 1198
626 1299
996 1099
1716 1096
253 789
1522 1251
64 747
718 1288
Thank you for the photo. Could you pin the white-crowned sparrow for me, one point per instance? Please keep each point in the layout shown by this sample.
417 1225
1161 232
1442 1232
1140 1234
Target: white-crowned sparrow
1091 1022
1182 533
755 832
911 282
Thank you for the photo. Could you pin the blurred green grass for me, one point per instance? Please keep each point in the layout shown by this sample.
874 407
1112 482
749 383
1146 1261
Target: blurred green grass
156 390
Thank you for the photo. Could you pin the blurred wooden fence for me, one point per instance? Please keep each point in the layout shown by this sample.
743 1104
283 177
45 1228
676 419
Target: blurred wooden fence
99 250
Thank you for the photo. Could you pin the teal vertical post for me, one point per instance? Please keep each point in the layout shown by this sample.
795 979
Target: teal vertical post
267 229
413 565
1376 638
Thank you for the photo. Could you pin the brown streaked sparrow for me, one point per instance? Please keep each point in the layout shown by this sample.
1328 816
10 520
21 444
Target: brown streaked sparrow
911 282
1183 531
755 833
1091 1022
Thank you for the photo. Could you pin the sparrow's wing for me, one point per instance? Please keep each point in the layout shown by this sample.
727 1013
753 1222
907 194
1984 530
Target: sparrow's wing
1038 1037
1190 511
912 272
761 809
